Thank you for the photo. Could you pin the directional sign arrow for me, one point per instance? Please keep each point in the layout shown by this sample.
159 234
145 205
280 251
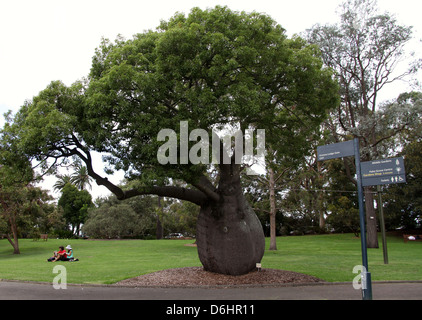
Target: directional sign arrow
335 150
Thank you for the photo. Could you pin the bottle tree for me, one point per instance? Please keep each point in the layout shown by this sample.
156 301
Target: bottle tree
208 70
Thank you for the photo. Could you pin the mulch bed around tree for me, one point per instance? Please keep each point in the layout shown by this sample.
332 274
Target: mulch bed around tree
197 277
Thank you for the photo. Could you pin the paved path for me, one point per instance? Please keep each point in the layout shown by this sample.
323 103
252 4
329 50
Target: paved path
13 290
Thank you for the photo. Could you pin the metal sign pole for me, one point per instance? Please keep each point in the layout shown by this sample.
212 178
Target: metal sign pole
382 222
366 276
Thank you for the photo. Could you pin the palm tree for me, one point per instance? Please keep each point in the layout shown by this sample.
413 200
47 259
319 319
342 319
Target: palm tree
63 180
80 177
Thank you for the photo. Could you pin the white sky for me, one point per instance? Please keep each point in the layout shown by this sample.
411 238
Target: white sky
46 40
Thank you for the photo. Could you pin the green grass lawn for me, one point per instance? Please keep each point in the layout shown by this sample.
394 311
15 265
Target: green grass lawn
329 257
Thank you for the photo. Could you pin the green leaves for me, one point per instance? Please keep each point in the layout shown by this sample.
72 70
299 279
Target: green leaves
75 204
211 68
41 123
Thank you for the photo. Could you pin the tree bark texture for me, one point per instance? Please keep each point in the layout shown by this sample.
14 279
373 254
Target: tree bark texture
273 231
159 231
8 213
14 243
230 238
371 219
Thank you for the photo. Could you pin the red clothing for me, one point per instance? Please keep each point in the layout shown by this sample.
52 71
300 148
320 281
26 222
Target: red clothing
62 253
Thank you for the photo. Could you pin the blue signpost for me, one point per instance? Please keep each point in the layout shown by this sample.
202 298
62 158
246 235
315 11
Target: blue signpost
347 149
370 173
366 275
335 150
383 171
380 172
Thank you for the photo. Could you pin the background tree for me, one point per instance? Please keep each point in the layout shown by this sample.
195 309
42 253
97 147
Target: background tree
62 180
80 177
344 217
184 216
138 218
24 209
118 221
16 176
403 203
75 204
364 50
13 200
263 192
213 68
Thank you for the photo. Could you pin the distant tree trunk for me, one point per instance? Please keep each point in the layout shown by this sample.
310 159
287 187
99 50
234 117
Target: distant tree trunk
273 231
8 213
14 228
371 219
14 244
321 220
159 229
320 198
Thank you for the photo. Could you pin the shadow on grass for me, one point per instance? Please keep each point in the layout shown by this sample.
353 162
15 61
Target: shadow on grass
6 251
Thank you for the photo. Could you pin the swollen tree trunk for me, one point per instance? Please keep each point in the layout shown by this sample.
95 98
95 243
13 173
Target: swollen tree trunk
230 239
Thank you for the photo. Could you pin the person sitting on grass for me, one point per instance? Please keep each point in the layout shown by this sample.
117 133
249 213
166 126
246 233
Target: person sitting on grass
70 254
59 255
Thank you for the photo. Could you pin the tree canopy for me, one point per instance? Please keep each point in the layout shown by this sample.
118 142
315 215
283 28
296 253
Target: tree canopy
211 68
75 204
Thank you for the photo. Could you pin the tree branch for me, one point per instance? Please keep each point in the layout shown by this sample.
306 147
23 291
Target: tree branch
194 196
198 197
210 194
